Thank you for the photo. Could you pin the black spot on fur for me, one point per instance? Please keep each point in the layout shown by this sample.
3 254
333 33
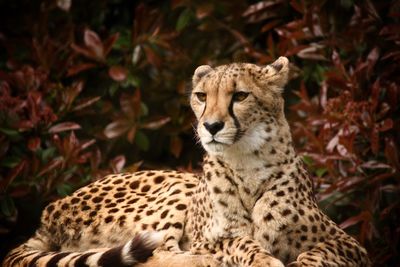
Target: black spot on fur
277 66
81 261
134 185
181 206
56 258
159 179
112 257
145 188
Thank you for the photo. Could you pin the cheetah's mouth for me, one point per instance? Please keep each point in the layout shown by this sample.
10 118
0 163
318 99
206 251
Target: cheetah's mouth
215 142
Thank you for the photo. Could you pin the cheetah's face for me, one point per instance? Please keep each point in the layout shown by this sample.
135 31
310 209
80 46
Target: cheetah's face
235 103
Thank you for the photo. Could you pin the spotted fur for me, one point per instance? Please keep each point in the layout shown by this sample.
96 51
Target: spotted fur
252 206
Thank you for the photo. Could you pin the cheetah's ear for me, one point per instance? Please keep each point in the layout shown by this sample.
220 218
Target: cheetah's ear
200 72
276 74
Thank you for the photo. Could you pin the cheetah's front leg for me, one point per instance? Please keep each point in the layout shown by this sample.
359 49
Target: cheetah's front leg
163 258
341 251
239 251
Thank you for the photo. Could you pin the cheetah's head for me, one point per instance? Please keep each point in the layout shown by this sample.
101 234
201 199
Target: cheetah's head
236 105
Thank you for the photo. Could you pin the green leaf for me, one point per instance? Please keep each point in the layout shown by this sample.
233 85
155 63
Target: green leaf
347 4
124 40
46 154
113 89
10 161
64 189
113 61
184 19
7 206
131 80
9 132
84 180
320 172
144 110
142 141
308 160
71 170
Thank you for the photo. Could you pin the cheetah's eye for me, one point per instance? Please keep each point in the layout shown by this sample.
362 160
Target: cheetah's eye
239 96
201 96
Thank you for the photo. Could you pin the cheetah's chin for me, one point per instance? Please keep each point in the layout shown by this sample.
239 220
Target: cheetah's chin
215 147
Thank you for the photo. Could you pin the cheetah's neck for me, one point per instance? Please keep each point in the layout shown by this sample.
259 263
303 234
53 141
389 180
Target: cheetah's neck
274 153
235 181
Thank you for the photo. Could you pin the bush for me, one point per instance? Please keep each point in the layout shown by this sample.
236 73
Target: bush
98 87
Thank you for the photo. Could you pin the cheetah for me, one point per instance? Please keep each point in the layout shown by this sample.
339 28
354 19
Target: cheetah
252 206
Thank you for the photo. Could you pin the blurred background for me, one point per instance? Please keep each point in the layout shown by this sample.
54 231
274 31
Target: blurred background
89 88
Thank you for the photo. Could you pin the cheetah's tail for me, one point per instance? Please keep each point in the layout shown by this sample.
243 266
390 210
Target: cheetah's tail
134 251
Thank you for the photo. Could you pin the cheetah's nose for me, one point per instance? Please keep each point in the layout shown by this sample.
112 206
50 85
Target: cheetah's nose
214 127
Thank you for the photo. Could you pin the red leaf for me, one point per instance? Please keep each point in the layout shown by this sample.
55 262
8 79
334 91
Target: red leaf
11 176
72 92
117 163
385 125
387 211
393 91
177 3
130 104
262 6
84 51
375 139
332 143
34 143
152 56
204 10
20 191
375 92
312 52
79 68
270 25
181 88
373 164
338 63
25 125
64 126
155 124
87 144
86 102
117 128
336 80
363 216
64 5
50 166
381 178
118 73
93 42
131 134
342 150
108 44
391 55
391 152
137 96
176 146
372 58
369 6
71 142
298 6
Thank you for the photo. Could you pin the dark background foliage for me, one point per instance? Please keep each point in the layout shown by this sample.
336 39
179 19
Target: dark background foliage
93 87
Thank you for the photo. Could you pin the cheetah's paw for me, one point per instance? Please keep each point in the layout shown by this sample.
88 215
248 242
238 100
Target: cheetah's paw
262 260
172 259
